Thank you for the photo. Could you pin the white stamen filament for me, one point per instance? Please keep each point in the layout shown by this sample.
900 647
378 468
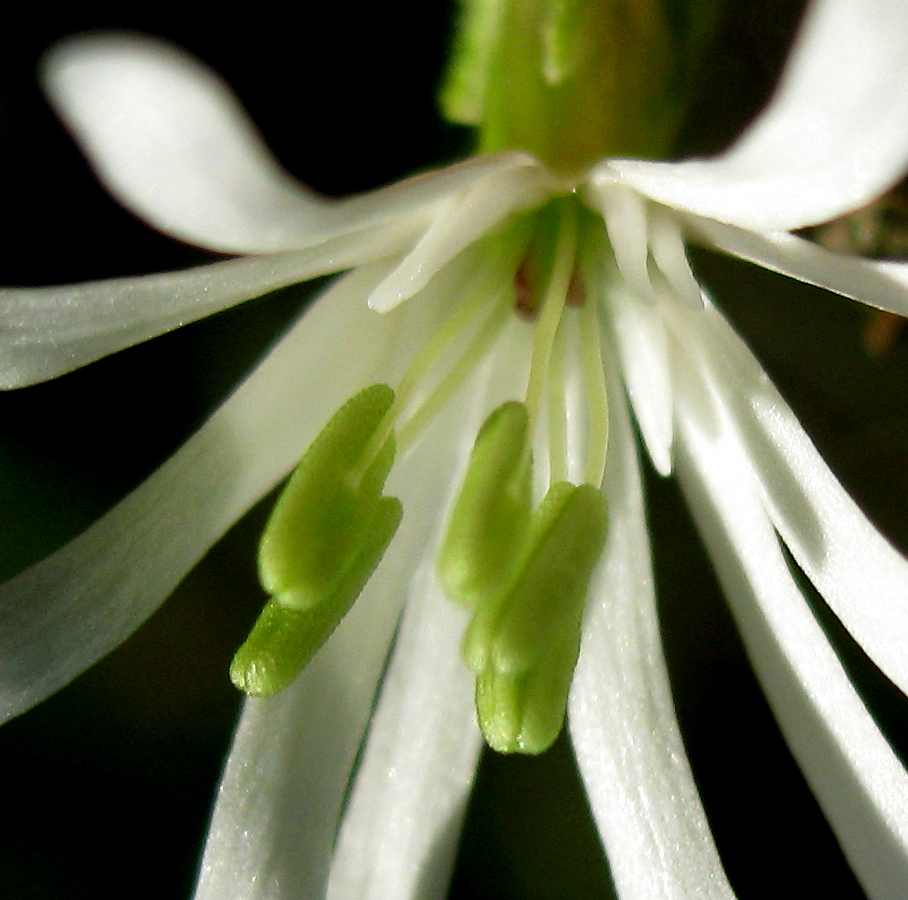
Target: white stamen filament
594 386
557 414
552 308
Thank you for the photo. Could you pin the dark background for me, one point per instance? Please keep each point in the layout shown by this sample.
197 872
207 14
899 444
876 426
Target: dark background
108 784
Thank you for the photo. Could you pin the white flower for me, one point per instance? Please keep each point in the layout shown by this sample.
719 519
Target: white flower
172 144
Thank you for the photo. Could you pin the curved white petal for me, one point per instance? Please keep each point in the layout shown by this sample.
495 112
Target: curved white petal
461 220
61 615
834 136
857 779
171 142
402 824
861 576
880 284
643 350
622 719
46 332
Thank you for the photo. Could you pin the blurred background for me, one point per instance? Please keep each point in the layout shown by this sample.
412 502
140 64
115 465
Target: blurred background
108 785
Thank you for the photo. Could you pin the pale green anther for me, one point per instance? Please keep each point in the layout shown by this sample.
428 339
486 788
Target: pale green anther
323 518
523 645
284 639
327 533
567 537
524 713
545 598
491 518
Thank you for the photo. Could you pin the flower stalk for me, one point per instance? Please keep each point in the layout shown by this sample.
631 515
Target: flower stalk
575 81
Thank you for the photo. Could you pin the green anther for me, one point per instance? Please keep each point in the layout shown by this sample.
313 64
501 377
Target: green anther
284 639
327 533
567 537
524 713
322 519
491 518
523 645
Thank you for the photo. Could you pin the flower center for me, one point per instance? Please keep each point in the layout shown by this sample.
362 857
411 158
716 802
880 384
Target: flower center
521 542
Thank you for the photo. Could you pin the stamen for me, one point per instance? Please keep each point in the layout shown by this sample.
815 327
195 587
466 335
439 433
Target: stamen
502 252
331 525
525 575
318 523
326 534
499 263
557 412
451 383
491 518
552 304
284 639
523 644
593 372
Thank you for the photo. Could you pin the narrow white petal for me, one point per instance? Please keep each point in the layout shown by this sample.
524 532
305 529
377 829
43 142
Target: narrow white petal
857 779
670 255
624 212
834 136
880 284
464 218
281 794
639 336
171 142
402 823
61 615
45 332
281 798
861 576
622 719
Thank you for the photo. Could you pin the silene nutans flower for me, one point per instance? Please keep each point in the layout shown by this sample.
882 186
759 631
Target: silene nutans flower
460 552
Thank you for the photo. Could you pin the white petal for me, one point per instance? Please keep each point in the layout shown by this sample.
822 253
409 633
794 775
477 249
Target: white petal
402 824
862 578
171 142
641 343
858 781
45 332
280 798
834 136
624 212
464 218
880 284
60 616
670 255
622 719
